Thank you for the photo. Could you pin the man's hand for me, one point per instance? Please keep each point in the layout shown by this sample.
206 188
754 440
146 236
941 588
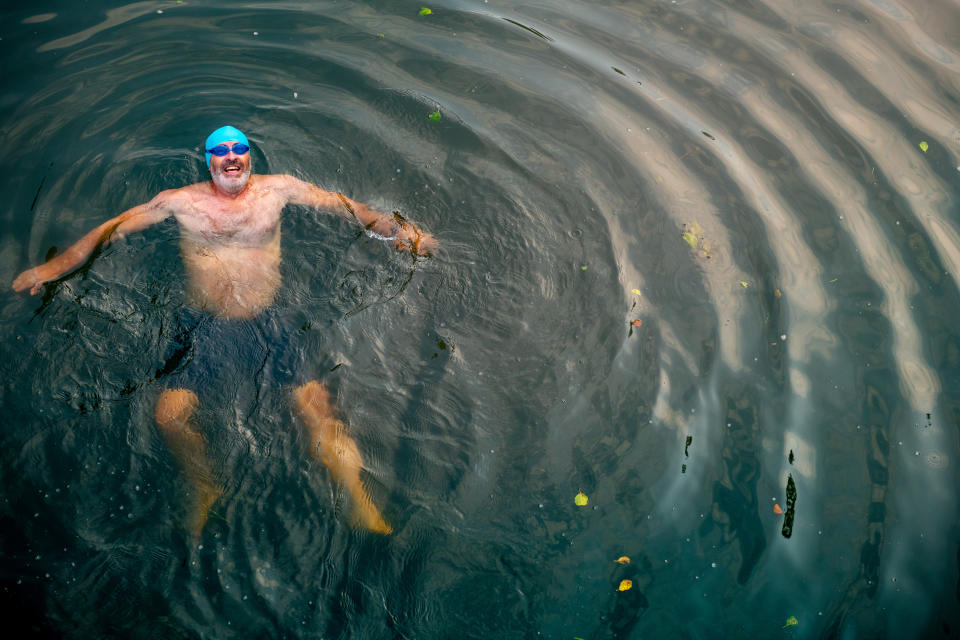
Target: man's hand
32 279
424 244
409 237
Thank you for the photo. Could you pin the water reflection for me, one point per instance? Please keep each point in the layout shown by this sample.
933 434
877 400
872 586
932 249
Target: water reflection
753 170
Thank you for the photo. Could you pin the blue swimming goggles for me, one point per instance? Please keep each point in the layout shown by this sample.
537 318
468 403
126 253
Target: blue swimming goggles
221 149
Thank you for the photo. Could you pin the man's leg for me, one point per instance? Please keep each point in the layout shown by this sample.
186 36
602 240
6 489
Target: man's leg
174 409
330 444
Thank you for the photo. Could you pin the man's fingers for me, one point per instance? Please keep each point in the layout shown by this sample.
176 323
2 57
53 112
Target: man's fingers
24 281
30 279
423 244
426 244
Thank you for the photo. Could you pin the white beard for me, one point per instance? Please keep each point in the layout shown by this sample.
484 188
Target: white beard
230 184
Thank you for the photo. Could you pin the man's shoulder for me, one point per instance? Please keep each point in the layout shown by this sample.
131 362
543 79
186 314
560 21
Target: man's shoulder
178 199
274 179
186 191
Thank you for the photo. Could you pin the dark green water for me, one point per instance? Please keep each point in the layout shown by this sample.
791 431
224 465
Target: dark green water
754 170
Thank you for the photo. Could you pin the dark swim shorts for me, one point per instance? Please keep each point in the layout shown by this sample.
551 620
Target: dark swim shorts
207 354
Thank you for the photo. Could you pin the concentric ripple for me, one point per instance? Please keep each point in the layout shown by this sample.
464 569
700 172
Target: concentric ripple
699 258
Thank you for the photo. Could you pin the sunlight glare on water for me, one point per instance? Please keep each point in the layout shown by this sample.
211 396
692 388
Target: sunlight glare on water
699 262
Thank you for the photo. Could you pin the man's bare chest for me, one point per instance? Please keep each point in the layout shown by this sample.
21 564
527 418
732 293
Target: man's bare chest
251 221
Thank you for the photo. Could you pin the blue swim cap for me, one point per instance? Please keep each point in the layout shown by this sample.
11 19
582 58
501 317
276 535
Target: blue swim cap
222 135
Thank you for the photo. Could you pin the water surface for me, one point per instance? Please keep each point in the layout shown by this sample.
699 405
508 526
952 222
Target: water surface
696 256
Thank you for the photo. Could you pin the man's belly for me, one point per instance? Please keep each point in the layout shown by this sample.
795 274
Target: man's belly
233 282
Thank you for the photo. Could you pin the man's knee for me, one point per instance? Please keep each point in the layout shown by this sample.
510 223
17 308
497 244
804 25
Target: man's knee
175 406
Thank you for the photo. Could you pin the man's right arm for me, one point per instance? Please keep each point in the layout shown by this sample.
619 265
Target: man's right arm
131 220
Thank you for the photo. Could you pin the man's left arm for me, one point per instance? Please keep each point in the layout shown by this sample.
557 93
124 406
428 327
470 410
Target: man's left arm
405 235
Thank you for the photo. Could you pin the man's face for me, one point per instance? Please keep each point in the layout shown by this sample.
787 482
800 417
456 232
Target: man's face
230 172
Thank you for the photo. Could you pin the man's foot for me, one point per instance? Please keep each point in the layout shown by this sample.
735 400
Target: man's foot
366 516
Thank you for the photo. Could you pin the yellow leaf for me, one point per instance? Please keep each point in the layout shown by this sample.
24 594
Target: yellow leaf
690 239
777 293
792 620
924 146
637 291
425 11
580 499
624 559
744 284
625 585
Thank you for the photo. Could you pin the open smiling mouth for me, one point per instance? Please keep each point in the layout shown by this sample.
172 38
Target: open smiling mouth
232 170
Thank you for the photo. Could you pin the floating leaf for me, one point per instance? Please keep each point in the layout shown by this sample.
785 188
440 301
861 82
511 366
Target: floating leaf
777 293
744 284
435 116
583 267
425 11
623 560
923 146
777 508
791 621
637 291
580 499
690 239
637 323
625 585
381 35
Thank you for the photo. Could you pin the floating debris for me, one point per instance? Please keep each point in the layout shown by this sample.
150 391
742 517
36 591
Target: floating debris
625 585
787 529
580 499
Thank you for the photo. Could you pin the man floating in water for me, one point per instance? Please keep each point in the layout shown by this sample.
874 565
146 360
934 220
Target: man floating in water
230 245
